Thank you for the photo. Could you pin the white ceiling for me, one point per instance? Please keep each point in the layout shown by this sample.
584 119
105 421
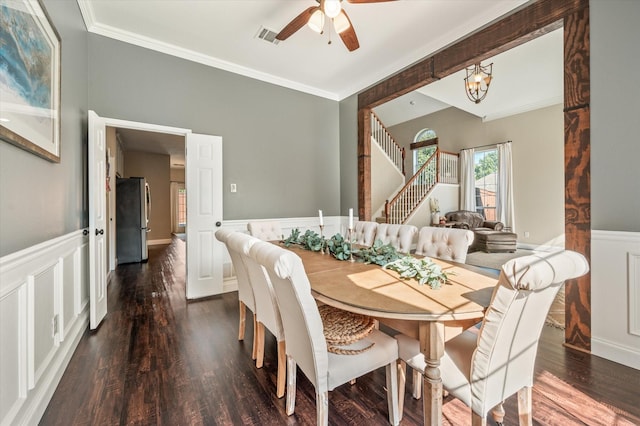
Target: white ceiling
525 78
222 33
392 35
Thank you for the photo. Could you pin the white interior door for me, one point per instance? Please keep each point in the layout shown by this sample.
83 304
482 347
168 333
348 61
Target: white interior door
97 220
204 215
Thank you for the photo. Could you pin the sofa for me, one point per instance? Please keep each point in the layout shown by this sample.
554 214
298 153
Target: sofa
489 236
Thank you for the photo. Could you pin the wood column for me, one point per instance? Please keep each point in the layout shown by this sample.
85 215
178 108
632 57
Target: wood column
577 159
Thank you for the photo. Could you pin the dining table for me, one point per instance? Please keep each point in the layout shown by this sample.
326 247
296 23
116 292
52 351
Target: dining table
403 304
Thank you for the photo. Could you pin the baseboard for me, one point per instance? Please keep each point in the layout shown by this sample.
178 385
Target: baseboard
158 242
614 352
538 247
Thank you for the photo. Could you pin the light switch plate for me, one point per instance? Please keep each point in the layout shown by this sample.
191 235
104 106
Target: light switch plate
233 187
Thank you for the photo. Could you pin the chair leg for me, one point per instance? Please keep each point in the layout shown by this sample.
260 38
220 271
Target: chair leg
254 350
401 366
322 408
260 345
243 316
498 413
282 369
291 385
392 393
524 406
417 384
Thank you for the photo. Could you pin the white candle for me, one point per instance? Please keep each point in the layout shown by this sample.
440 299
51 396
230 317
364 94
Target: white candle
350 218
320 214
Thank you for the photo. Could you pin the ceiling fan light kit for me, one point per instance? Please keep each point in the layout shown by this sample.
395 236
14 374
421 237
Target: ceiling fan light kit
314 18
316 21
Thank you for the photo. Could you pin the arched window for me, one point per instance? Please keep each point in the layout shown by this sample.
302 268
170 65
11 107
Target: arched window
424 145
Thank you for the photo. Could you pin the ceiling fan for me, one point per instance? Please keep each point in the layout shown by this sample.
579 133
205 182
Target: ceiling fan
314 17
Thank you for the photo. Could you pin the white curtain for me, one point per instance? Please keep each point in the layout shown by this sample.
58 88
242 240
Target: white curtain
505 209
467 180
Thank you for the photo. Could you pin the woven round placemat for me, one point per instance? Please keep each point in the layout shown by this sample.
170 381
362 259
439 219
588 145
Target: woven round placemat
343 328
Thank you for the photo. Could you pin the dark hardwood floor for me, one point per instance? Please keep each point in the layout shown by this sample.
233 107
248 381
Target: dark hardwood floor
157 359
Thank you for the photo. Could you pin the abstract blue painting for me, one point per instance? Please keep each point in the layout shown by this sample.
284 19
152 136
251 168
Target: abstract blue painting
29 78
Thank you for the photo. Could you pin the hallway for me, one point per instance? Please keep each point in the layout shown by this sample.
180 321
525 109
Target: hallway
157 359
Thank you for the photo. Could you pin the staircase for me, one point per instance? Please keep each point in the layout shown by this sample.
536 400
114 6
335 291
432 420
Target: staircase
441 167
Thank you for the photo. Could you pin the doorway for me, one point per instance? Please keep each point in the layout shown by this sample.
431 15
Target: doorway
203 160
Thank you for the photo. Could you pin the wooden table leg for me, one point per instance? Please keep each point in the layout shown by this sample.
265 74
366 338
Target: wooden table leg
432 346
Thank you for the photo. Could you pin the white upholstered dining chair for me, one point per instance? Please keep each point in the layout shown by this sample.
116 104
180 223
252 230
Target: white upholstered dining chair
364 232
245 292
444 243
399 236
484 368
306 345
265 230
267 312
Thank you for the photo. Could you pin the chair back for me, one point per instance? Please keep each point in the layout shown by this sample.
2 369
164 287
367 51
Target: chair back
265 230
399 236
266 305
245 292
364 233
504 359
300 316
444 243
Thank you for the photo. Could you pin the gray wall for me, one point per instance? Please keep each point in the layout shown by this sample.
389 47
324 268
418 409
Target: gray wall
349 155
280 147
615 104
40 200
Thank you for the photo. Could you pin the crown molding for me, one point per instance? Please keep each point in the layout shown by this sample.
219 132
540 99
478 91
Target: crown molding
190 55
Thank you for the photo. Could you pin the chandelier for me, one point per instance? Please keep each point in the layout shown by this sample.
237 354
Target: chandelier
477 81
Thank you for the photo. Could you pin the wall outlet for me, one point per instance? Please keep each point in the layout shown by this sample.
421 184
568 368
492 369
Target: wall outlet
234 188
526 234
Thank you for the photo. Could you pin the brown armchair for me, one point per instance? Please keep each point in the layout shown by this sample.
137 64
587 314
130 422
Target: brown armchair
488 235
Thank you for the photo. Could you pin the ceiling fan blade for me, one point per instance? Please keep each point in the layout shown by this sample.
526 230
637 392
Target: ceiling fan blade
348 36
367 1
297 23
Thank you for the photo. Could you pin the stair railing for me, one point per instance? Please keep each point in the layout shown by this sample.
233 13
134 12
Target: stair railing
441 167
384 139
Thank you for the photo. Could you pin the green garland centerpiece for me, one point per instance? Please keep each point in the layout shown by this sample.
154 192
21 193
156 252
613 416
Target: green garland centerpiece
379 253
425 271
339 247
310 240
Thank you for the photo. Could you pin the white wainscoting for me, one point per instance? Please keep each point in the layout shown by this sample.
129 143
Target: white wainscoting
615 296
44 298
332 225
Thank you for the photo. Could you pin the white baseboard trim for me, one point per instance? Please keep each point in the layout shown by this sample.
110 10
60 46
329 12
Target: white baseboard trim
614 352
158 242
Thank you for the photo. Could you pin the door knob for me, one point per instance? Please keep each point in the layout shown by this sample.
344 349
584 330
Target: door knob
99 232
85 232
218 224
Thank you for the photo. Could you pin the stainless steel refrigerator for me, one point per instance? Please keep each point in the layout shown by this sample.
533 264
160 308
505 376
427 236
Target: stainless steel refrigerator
133 205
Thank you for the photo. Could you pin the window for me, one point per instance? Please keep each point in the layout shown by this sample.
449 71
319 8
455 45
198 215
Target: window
424 145
486 182
182 207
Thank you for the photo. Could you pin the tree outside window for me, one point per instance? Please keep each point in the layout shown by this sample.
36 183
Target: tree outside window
486 182
424 145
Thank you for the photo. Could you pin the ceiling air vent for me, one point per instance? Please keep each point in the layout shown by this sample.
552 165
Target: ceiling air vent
268 35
